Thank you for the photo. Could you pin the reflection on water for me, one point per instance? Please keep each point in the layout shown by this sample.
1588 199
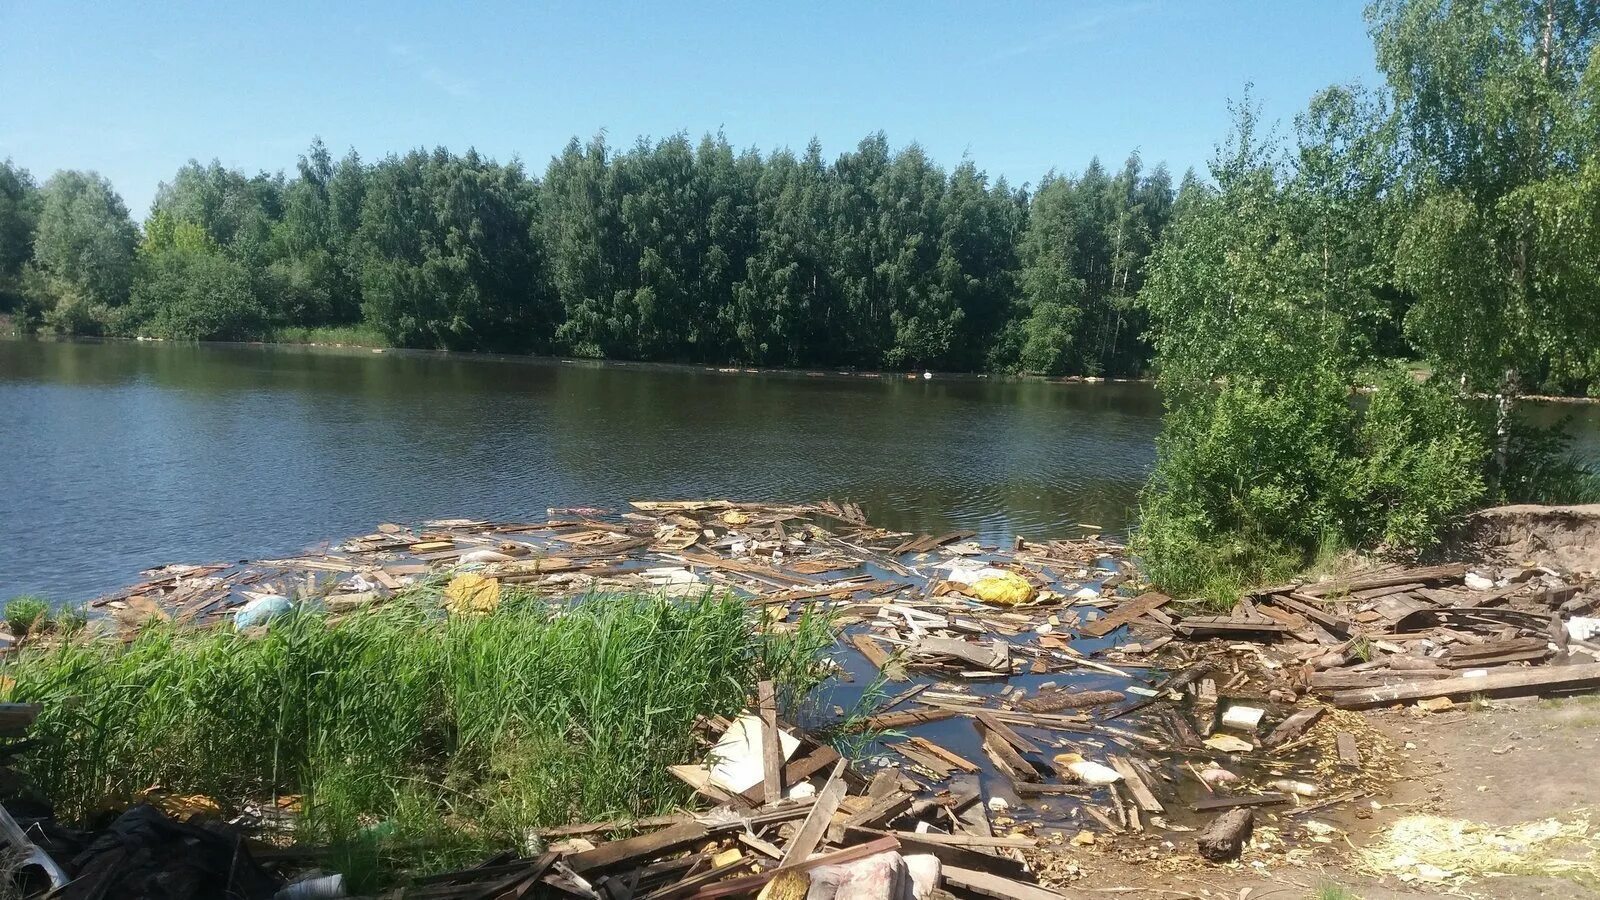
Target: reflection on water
116 457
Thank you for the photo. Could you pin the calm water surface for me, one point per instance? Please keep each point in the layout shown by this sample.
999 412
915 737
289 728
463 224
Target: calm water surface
117 457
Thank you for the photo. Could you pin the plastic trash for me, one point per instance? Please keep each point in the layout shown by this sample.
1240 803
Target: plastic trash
1244 718
1583 628
483 556
260 611
1087 771
328 887
1005 589
1290 786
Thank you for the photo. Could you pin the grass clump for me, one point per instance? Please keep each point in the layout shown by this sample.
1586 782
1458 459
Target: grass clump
26 615
413 741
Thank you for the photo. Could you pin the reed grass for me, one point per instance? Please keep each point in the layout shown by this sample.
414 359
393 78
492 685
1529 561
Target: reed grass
412 740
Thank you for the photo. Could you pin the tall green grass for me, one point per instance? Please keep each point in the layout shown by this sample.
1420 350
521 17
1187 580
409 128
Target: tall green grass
412 738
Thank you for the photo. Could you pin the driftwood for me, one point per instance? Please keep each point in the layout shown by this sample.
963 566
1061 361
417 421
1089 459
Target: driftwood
1225 837
1055 699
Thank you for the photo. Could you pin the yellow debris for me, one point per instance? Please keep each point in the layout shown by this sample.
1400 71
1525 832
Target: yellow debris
1004 590
735 517
470 592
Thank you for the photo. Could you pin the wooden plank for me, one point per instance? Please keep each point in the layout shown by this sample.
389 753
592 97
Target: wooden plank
935 766
1349 754
771 746
884 811
1007 758
871 649
1294 726
817 821
1125 613
582 828
1227 625
1055 699
616 853
1427 575
1136 784
953 759
917 716
985 884
994 656
1521 682
1213 803
1300 604
993 723
1389 590
1025 789
947 854
969 841
752 883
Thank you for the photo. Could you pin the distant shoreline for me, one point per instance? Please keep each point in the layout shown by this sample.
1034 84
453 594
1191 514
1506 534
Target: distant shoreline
804 372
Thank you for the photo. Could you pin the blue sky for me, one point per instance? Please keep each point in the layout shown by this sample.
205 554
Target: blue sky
135 90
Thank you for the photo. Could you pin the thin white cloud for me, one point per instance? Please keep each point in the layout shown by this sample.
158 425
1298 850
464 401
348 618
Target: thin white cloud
447 81
1086 24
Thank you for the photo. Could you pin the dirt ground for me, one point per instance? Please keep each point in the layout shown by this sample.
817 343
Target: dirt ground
1500 764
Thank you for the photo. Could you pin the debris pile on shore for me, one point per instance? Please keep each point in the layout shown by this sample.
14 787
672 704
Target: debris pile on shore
1004 701
1436 634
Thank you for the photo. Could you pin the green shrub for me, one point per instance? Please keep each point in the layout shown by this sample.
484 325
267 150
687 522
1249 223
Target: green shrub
1419 463
1254 480
27 614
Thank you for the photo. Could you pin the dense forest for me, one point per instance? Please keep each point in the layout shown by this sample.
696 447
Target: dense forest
1449 215
671 250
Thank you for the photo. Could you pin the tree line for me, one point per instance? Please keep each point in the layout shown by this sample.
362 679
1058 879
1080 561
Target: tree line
1449 215
669 250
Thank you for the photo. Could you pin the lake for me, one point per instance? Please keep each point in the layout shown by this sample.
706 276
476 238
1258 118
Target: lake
116 457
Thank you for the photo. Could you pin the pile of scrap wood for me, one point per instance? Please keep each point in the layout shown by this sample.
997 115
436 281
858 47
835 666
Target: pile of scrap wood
1028 691
779 556
1435 633
140 853
791 819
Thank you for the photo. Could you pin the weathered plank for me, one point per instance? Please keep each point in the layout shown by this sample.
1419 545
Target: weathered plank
1427 575
1136 784
1349 754
1125 613
817 821
615 853
1212 803
771 746
1294 726
1521 682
